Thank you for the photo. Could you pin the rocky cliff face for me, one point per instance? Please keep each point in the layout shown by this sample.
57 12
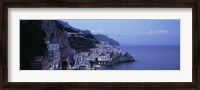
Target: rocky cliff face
34 34
56 33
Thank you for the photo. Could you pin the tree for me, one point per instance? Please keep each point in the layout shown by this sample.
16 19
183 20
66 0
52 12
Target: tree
112 54
96 60
126 54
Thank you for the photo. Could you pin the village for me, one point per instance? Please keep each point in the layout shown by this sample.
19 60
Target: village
95 59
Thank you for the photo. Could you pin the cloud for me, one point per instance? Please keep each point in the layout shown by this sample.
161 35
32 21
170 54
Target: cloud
152 32
158 32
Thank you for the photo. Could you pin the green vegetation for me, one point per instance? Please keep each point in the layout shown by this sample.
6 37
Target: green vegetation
59 26
81 43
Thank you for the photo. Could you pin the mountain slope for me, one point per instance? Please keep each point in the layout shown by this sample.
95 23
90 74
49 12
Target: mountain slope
105 38
80 40
100 37
68 27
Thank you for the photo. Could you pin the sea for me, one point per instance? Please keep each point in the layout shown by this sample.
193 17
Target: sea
165 57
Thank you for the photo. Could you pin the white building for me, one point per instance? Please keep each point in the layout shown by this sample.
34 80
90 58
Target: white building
92 56
103 58
84 54
53 46
54 55
70 33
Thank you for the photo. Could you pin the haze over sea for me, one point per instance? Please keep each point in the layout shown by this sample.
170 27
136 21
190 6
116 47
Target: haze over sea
149 57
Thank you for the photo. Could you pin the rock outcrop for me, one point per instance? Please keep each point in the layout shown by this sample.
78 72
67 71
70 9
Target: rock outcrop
56 33
122 58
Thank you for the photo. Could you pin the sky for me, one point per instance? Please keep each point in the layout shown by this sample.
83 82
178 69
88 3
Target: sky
134 32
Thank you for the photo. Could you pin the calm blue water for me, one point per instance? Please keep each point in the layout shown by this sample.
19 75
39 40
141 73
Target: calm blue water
151 58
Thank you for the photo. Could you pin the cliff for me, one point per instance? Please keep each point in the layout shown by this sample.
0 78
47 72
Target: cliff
56 33
34 33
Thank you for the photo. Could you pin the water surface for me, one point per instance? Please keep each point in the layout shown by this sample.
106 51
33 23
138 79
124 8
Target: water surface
150 58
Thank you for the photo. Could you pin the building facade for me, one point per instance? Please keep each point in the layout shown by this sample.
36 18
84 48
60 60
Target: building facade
53 55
